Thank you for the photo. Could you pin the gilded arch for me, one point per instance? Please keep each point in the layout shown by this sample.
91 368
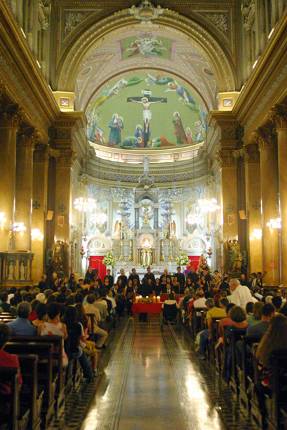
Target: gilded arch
221 61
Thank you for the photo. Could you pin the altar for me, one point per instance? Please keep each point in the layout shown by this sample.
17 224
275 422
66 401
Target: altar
146 226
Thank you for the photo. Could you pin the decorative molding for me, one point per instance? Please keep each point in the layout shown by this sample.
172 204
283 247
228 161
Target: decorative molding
225 158
278 116
219 19
248 13
264 136
251 153
72 18
146 12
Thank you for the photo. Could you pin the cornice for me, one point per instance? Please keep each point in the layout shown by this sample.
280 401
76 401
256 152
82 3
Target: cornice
266 85
23 79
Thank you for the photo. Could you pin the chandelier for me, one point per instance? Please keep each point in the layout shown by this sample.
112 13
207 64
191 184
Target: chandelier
208 205
83 204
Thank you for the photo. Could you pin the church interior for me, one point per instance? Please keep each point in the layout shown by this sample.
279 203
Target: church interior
143 214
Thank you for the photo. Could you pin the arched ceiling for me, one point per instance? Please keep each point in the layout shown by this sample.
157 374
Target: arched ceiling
106 58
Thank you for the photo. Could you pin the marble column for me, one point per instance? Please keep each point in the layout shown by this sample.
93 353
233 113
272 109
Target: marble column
24 187
253 198
39 213
279 115
8 130
269 203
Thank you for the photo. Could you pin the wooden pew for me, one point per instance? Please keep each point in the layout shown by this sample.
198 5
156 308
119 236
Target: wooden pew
44 351
231 336
10 403
30 395
277 403
197 320
58 369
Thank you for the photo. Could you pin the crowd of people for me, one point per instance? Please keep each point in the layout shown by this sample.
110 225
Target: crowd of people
63 307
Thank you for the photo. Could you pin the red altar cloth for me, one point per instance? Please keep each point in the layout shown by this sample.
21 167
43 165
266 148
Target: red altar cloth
146 308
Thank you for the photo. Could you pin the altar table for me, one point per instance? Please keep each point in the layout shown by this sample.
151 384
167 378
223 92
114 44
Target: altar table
147 308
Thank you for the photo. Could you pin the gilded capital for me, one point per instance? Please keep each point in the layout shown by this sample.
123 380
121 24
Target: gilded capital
66 158
251 153
264 137
27 136
226 158
278 116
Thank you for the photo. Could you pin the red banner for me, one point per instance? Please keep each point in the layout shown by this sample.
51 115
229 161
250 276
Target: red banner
96 262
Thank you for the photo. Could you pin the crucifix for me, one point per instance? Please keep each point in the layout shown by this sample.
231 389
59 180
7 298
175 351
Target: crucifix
146 102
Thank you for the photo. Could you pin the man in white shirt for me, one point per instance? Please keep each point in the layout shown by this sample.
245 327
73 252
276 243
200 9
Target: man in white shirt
240 294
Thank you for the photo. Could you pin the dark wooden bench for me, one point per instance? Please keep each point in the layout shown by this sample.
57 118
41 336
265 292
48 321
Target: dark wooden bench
57 369
44 351
197 320
10 403
31 396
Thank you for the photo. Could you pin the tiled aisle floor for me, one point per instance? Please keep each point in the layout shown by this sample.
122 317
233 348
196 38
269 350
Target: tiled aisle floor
154 381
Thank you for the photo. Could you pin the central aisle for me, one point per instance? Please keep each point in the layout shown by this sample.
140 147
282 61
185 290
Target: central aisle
151 383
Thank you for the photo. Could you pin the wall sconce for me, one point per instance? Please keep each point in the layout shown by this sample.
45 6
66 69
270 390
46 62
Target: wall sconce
256 234
2 220
274 223
19 227
37 235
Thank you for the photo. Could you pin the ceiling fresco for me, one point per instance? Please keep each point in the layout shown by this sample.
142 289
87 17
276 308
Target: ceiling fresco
156 47
146 109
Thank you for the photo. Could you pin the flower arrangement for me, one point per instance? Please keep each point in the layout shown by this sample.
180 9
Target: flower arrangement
182 259
109 259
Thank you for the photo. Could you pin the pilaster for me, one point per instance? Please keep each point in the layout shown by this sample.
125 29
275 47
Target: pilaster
279 117
253 206
24 186
269 202
9 122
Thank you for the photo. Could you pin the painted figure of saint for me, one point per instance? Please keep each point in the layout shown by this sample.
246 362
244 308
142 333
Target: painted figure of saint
179 130
188 134
116 125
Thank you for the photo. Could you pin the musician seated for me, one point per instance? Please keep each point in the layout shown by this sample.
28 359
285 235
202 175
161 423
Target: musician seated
170 308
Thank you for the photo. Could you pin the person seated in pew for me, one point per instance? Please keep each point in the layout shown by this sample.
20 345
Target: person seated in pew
259 329
205 335
277 303
200 300
7 359
255 317
21 326
73 346
4 305
41 316
236 317
90 308
274 339
54 327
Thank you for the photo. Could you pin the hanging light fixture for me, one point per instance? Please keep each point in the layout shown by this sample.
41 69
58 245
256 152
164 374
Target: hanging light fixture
208 205
83 204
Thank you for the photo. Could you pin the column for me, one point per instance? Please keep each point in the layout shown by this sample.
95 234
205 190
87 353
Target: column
279 115
253 198
39 213
269 204
64 163
24 187
8 130
229 194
